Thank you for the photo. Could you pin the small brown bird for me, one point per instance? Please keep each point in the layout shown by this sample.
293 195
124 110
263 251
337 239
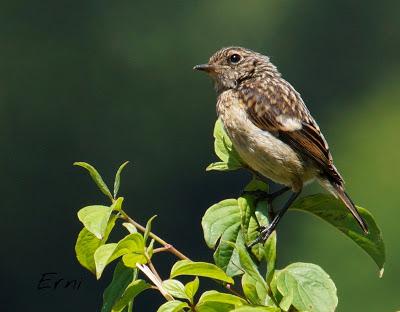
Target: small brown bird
271 127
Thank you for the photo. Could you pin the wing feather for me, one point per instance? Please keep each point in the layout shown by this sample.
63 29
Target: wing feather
271 105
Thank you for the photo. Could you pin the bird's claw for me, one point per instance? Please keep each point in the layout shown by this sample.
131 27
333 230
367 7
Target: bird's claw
260 228
265 233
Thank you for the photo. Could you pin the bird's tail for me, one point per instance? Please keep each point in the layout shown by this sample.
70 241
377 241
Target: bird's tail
350 205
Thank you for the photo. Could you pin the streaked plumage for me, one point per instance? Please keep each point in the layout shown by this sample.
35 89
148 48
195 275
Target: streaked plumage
269 124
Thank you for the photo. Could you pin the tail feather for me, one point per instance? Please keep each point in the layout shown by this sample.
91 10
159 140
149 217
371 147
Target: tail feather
350 205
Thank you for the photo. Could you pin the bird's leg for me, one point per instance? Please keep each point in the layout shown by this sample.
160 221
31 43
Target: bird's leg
271 197
283 190
271 212
260 195
266 232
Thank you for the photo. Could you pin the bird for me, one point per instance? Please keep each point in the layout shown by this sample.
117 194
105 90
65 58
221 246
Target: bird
272 129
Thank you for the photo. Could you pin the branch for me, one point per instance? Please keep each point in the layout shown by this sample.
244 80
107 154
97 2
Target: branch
159 240
170 248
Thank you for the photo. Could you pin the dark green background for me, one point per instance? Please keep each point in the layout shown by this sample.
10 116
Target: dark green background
108 81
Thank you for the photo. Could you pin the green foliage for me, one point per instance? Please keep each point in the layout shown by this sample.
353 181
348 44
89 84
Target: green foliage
131 245
247 308
122 277
334 212
95 219
173 306
229 226
175 288
230 159
225 221
187 267
191 289
215 296
148 228
87 244
96 178
117 180
131 291
307 287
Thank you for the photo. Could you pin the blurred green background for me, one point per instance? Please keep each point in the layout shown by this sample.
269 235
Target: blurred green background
109 81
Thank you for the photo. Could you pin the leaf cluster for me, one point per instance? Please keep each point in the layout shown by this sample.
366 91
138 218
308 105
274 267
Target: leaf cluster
250 276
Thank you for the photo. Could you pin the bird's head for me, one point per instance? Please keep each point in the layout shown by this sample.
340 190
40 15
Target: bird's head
229 67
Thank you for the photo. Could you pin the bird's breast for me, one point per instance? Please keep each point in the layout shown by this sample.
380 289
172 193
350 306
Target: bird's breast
262 151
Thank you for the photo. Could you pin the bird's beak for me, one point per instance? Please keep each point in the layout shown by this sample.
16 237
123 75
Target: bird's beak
205 67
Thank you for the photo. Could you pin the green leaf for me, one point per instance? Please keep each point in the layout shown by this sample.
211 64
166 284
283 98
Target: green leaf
122 277
307 287
248 210
225 220
219 166
85 247
224 150
287 300
256 185
222 221
132 243
247 308
270 256
130 227
254 286
128 308
131 259
225 256
117 205
150 249
148 228
254 291
131 292
95 219
175 288
218 218
96 178
103 256
87 244
216 296
334 212
135 244
212 306
191 289
249 225
173 306
117 179
274 288
204 269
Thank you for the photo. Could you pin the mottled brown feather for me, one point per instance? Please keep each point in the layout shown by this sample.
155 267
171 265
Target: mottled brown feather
273 99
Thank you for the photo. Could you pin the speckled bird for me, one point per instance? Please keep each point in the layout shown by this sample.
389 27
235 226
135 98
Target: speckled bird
271 128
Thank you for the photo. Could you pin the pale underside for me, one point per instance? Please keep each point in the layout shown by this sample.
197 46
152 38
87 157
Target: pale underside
261 150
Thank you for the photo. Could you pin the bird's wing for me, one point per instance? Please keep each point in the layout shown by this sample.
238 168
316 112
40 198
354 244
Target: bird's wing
279 109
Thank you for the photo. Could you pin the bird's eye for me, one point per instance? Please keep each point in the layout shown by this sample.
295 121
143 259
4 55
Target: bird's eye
234 58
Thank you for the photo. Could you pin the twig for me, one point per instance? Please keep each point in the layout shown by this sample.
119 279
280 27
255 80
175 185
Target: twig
156 280
233 291
167 246
161 249
170 248
153 269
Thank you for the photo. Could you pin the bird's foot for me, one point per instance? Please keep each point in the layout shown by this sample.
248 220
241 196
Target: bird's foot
261 228
271 211
265 233
259 196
